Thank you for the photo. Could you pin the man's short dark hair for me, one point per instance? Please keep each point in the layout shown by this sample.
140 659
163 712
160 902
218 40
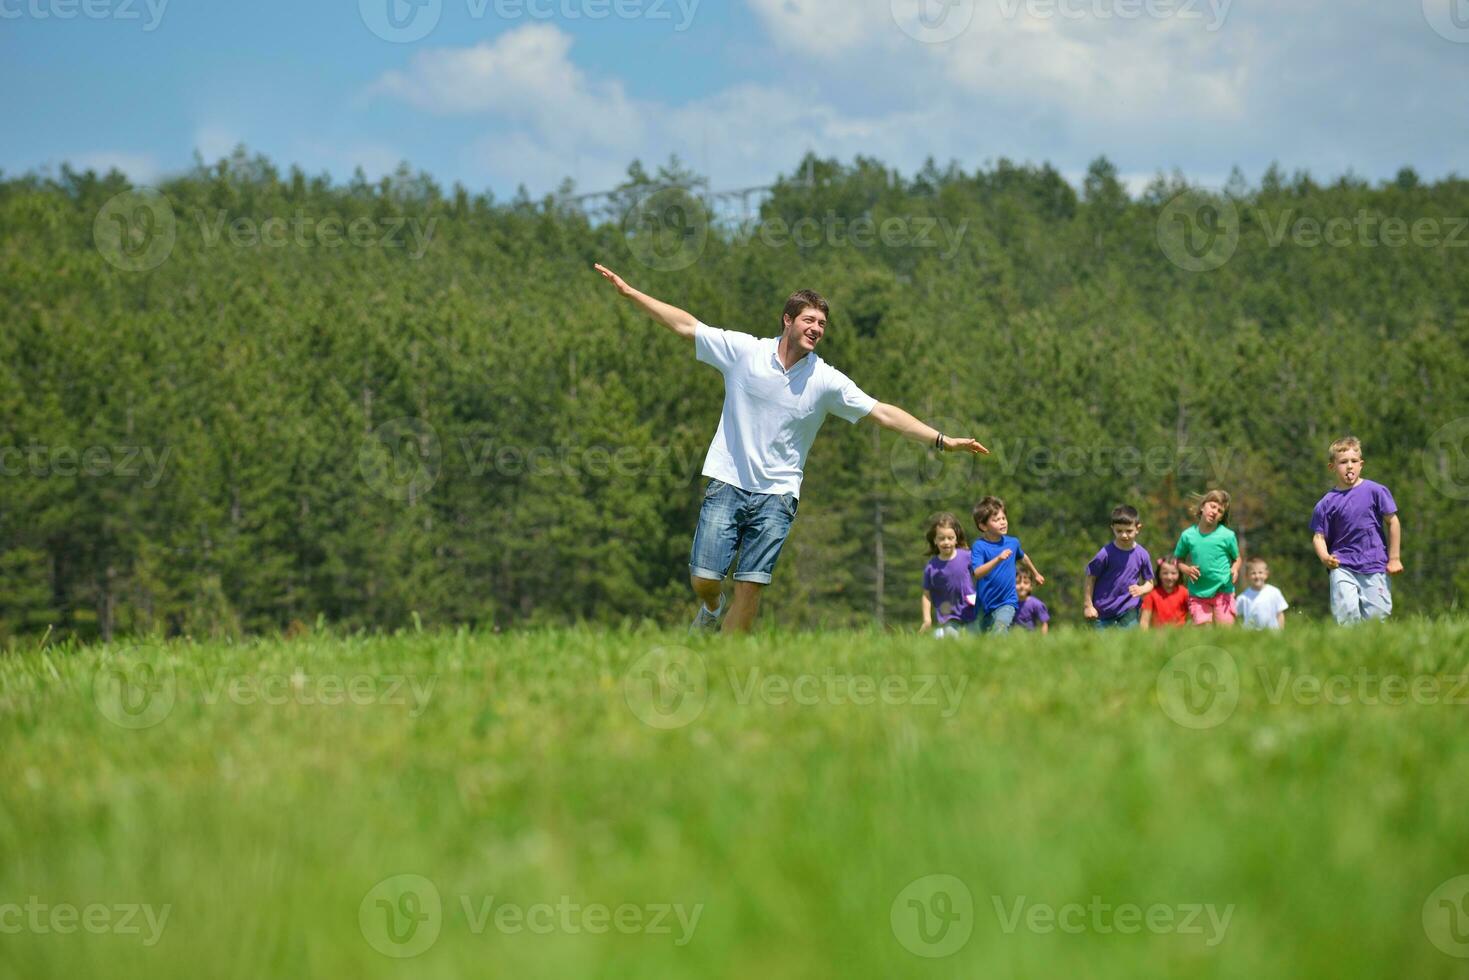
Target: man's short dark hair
1123 514
803 299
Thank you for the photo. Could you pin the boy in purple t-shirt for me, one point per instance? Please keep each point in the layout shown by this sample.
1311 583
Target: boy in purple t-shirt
1356 534
1033 614
1120 574
948 591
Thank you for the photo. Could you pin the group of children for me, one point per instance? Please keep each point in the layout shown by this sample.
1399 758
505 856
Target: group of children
987 586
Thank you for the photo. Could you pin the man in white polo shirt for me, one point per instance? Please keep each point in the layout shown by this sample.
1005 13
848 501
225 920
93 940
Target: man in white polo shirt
777 392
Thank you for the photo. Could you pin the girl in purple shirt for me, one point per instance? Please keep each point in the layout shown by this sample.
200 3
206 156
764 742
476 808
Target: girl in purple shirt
948 590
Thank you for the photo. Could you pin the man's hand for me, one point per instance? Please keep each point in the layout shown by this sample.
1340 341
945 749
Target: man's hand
1091 611
1331 561
956 445
1394 566
1190 572
614 278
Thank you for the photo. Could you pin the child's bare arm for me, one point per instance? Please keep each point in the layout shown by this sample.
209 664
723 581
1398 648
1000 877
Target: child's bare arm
1035 573
990 565
927 613
1318 541
1090 610
1394 545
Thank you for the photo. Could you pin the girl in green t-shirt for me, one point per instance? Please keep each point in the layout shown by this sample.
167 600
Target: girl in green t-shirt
1208 558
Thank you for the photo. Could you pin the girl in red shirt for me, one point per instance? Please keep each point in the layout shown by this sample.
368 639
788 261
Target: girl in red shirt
1166 605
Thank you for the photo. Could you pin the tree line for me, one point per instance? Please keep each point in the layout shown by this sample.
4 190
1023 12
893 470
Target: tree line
249 398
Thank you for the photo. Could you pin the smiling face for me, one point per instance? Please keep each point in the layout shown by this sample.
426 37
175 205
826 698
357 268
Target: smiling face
1022 587
997 526
1259 574
1348 467
946 541
805 330
1167 576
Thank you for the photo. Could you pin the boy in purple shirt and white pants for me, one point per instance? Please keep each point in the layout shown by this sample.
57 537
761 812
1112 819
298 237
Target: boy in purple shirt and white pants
1120 574
1356 534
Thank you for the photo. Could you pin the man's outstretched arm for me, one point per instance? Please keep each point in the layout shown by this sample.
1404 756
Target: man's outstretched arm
894 418
675 319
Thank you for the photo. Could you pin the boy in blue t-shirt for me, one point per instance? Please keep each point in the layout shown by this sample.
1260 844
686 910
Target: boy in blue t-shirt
992 561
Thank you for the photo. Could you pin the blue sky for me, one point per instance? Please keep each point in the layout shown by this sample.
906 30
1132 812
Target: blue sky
496 93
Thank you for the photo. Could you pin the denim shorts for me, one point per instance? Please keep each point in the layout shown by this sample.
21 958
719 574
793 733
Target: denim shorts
733 520
1125 621
994 621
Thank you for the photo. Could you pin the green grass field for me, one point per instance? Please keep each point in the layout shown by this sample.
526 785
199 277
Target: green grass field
1200 804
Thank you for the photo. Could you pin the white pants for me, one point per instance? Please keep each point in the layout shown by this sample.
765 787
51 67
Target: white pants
1357 597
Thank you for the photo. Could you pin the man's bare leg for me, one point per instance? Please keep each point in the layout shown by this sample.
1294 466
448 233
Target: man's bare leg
741 615
707 589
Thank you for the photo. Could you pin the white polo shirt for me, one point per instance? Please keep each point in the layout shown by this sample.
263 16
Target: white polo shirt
771 415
